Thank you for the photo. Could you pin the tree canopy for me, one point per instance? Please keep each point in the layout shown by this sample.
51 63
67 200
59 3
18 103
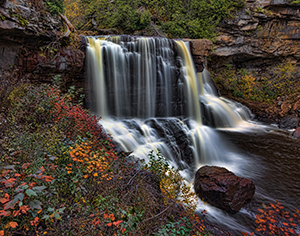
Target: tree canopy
177 19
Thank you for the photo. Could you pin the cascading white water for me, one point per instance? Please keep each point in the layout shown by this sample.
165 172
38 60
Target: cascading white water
138 84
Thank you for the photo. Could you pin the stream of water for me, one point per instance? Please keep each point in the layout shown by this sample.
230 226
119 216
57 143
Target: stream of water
150 97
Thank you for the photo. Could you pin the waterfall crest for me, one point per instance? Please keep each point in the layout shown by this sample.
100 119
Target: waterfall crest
150 97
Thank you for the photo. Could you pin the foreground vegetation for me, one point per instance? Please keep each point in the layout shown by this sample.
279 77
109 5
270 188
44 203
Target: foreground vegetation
60 175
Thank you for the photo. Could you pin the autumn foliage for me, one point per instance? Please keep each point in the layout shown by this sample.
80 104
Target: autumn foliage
60 172
273 219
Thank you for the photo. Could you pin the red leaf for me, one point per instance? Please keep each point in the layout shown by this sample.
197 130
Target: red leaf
5 213
16 213
109 224
4 200
292 231
10 204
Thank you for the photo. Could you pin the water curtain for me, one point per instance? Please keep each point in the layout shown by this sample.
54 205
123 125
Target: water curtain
150 97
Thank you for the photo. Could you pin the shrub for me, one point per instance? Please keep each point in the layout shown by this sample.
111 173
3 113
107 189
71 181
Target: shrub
55 6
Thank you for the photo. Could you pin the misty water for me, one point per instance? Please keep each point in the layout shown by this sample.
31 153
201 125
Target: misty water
150 97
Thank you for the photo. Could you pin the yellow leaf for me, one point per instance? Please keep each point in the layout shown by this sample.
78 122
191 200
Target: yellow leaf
95 174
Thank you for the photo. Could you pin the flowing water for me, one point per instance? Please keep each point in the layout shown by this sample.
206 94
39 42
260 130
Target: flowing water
150 97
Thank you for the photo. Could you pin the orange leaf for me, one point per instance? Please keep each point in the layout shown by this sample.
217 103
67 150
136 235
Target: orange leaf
117 222
105 216
25 165
285 224
4 200
1 232
112 217
95 174
109 224
11 224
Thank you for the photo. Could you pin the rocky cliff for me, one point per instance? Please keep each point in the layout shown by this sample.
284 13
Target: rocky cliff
262 33
257 39
33 43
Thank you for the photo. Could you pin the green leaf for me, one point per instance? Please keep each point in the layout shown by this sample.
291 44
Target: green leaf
57 216
19 197
24 186
61 210
46 217
39 188
35 204
50 209
30 192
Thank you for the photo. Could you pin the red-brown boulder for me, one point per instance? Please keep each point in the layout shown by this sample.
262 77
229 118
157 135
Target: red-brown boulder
222 188
296 134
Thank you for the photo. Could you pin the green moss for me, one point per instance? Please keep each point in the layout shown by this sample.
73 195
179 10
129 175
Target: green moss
2 17
23 22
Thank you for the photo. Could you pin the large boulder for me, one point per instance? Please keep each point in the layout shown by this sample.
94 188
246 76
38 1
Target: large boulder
222 188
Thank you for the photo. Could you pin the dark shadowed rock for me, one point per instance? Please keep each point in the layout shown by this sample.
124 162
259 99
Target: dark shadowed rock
296 134
222 188
289 122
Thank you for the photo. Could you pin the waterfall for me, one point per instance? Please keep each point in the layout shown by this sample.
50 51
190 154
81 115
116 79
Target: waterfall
150 97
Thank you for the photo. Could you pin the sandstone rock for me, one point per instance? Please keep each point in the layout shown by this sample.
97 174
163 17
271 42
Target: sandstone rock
263 32
296 134
200 49
222 188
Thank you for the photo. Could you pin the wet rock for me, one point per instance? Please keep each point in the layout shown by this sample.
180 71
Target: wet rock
289 122
172 132
200 49
296 134
222 188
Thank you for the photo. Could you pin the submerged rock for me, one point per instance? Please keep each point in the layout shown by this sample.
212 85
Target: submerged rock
222 188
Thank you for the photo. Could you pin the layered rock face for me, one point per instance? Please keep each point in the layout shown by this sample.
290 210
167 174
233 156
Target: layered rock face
260 34
200 49
32 43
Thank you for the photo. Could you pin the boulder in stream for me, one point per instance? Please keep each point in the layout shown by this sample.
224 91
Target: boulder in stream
296 134
222 188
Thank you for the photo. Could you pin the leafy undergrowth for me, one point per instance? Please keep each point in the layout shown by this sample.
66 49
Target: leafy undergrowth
279 80
60 174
